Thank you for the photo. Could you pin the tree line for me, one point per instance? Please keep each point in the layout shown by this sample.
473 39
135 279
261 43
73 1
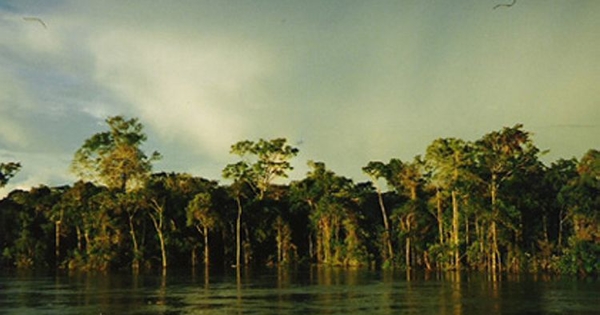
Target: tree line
489 204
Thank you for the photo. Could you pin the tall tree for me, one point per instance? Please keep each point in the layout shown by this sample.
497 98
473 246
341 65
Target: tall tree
560 177
581 198
499 155
333 216
115 158
103 230
406 179
167 196
377 170
75 211
448 160
584 199
201 215
132 203
262 162
239 173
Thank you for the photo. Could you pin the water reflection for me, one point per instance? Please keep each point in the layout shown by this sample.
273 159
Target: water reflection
315 290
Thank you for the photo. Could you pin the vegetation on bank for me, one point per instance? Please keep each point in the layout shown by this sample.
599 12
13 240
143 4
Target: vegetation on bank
489 205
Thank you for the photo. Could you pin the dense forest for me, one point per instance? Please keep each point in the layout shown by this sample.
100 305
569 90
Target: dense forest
488 205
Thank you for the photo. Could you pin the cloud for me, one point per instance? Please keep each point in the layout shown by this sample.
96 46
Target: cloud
190 90
37 168
12 99
352 81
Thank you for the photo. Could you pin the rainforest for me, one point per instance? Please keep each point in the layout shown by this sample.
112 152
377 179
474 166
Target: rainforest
489 205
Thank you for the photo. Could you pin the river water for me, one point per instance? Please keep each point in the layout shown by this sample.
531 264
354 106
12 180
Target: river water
305 291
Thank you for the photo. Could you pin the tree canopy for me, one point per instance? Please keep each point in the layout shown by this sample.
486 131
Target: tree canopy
7 171
114 158
489 204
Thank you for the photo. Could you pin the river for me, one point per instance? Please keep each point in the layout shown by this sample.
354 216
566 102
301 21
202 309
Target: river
303 291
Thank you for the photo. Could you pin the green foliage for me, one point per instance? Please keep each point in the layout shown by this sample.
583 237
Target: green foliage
114 158
24 218
581 258
263 162
487 205
334 216
7 171
199 210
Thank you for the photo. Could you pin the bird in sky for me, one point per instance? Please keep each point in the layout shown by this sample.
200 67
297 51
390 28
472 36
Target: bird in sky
35 19
508 5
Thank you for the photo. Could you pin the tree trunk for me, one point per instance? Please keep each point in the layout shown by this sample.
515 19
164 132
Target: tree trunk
467 231
135 264
57 242
326 239
206 248
407 252
161 240
409 220
560 227
406 226
158 225
413 192
481 242
279 240
495 254
440 215
193 259
238 233
79 238
163 250
311 251
455 230
545 226
247 247
88 242
386 237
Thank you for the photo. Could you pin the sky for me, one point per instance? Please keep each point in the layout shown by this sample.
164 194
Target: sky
346 82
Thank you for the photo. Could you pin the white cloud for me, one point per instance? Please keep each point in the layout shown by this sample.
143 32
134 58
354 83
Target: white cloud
189 89
37 169
353 82
13 101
